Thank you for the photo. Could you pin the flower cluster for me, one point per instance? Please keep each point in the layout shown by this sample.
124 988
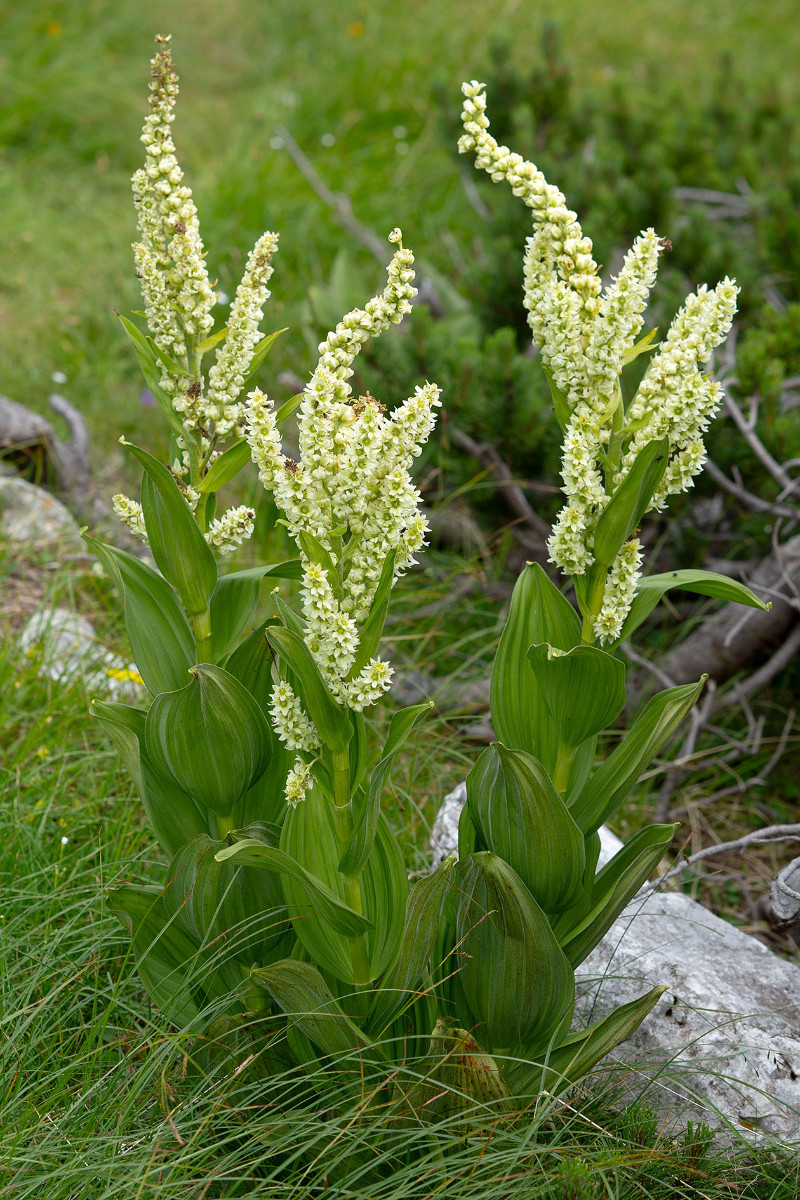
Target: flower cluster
351 492
170 263
170 259
586 334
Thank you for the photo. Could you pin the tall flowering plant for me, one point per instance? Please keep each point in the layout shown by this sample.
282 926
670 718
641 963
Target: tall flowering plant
285 909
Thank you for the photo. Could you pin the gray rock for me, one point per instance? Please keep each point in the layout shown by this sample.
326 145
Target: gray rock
70 649
33 518
723 1043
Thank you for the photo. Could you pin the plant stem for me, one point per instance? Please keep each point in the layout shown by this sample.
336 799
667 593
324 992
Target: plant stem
562 769
201 628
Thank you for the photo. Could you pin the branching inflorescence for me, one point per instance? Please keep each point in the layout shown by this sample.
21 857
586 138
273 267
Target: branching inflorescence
587 334
352 493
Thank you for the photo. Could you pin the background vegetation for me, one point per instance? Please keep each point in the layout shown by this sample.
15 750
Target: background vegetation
624 109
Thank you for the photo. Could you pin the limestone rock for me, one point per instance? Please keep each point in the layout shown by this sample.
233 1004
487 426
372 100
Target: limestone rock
33 518
70 649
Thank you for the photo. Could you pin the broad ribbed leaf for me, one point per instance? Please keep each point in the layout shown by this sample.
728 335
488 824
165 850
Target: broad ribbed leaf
612 781
370 634
126 728
161 641
330 719
519 815
212 900
651 588
401 727
209 737
302 994
521 719
179 548
577 1054
169 962
151 370
616 884
311 899
456 1082
423 914
515 976
260 352
309 835
234 602
225 468
629 503
584 689
251 663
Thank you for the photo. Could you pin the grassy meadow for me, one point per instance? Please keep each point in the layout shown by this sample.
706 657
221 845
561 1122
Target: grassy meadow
100 1098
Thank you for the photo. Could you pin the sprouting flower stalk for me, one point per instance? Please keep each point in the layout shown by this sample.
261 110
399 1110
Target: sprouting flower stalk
587 334
353 510
204 409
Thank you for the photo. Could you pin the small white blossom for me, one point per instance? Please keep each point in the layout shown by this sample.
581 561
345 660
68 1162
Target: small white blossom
227 532
130 513
227 375
620 589
298 782
289 721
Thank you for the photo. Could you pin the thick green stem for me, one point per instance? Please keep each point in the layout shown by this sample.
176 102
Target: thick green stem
201 628
594 603
352 883
562 769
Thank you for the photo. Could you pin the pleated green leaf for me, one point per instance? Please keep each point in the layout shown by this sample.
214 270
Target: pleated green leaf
575 1057
212 900
521 718
233 603
251 663
618 882
515 976
629 503
302 994
148 362
423 914
173 815
309 835
125 725
584 689
519 815
161 641
372 629
307 897
225 468
179 548
260 352
602 795
210 738
651 588
362 841
331 720
168 961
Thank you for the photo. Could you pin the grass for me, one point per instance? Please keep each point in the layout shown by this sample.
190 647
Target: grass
96 1100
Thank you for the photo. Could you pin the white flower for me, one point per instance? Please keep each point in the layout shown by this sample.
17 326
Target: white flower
130 513
351 488
298 782
289 721
586 336
227 375
227 532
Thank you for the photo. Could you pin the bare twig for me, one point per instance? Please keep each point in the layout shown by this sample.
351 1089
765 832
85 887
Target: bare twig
764 675
488 457
699 718
744 785
759 837
749 499
338 203
747 428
